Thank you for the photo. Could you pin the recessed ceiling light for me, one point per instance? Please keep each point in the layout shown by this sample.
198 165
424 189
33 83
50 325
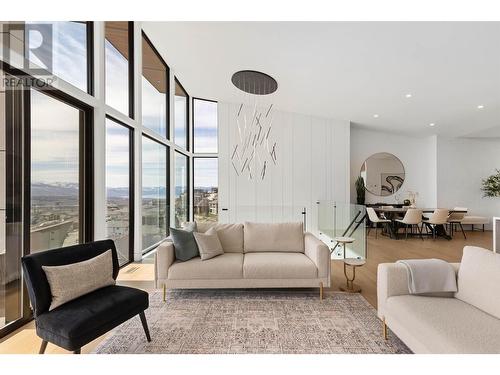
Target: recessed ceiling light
375 116
480 106
408 95
432 124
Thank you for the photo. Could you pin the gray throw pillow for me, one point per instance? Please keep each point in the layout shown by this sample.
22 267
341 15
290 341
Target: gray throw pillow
73 280
184 244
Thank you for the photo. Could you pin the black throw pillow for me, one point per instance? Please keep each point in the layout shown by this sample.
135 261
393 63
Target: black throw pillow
184 244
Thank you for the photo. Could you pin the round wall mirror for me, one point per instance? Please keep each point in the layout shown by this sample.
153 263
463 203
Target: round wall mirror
383 174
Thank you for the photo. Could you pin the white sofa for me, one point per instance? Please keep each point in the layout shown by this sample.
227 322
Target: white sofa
256 255
464 322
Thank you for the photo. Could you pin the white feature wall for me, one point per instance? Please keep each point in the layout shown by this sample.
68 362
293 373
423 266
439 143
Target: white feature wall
313 164
418 156
462 163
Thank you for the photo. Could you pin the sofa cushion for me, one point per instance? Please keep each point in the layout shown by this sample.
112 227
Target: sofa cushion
79 321
278 265
225 266
442 325
230 237
479 279
273 237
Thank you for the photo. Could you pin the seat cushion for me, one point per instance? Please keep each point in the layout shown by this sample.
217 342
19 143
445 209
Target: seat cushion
444 325
225 266
479 279
278 265
475 220
230 237
273 237
80 321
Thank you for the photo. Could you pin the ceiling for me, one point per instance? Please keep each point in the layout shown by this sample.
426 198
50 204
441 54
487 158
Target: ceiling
350 70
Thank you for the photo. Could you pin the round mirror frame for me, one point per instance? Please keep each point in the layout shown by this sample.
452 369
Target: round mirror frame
390 188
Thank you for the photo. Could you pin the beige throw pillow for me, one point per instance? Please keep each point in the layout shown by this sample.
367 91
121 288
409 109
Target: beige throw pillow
208 244
71 281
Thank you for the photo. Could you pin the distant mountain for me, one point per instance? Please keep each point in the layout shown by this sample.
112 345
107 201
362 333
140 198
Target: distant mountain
54 190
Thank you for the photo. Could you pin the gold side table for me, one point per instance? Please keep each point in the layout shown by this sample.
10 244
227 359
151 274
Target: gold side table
353 263
350 287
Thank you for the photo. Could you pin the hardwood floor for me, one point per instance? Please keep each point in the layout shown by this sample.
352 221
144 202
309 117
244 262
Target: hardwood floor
380 250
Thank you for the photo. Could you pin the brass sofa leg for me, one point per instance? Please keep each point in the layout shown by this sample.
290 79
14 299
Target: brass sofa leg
321 290
164 292
384 329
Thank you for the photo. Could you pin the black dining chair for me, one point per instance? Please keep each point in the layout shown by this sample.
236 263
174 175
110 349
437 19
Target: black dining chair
78 322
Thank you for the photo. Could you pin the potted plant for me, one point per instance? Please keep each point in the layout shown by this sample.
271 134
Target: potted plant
491 185
360 190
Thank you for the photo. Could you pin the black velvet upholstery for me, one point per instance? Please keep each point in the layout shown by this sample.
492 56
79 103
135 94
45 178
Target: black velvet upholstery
36 281
81 320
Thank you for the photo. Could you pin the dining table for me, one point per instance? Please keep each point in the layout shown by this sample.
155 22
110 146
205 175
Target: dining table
393 213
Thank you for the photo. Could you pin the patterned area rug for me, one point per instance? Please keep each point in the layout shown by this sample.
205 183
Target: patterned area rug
254 321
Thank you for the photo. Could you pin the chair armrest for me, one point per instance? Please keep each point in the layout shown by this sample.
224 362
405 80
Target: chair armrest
319 253
392 280
164 257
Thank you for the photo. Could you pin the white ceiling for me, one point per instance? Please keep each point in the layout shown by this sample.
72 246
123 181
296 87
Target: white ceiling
350 70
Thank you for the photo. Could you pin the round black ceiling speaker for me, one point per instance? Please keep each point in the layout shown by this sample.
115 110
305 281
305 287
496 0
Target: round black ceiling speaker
253 82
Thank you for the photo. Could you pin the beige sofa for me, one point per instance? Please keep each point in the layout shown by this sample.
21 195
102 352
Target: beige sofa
256 255
464 322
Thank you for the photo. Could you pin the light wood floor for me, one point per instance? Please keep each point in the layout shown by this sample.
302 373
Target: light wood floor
380 250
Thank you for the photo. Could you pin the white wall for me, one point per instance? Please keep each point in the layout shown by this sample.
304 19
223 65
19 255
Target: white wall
313 164
461 165
418 156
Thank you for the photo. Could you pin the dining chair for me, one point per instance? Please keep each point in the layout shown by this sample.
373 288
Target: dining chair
412 218
456 218
372 215
437 218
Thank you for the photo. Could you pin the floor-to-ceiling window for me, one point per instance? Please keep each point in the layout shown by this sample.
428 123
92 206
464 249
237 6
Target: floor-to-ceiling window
181 166
181 110
205 126
56 173
119 63
205 162
63 49
154 89
205 190
155 220
119 188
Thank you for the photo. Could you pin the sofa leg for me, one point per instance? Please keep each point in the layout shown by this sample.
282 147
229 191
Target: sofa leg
77 351
384 329
43 347
321 290
145 325
164 292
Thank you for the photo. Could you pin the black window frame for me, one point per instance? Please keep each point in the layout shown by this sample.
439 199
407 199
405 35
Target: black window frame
131 186
188 188
193 127
204 156
131 64
146 39
86 163
167 151
188 101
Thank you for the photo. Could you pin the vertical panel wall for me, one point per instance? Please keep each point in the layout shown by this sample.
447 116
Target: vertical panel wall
313 164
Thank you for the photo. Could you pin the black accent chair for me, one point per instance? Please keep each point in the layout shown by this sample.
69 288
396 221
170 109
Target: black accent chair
78 322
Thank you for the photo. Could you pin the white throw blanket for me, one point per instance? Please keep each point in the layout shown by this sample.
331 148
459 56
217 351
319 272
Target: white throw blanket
429 276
